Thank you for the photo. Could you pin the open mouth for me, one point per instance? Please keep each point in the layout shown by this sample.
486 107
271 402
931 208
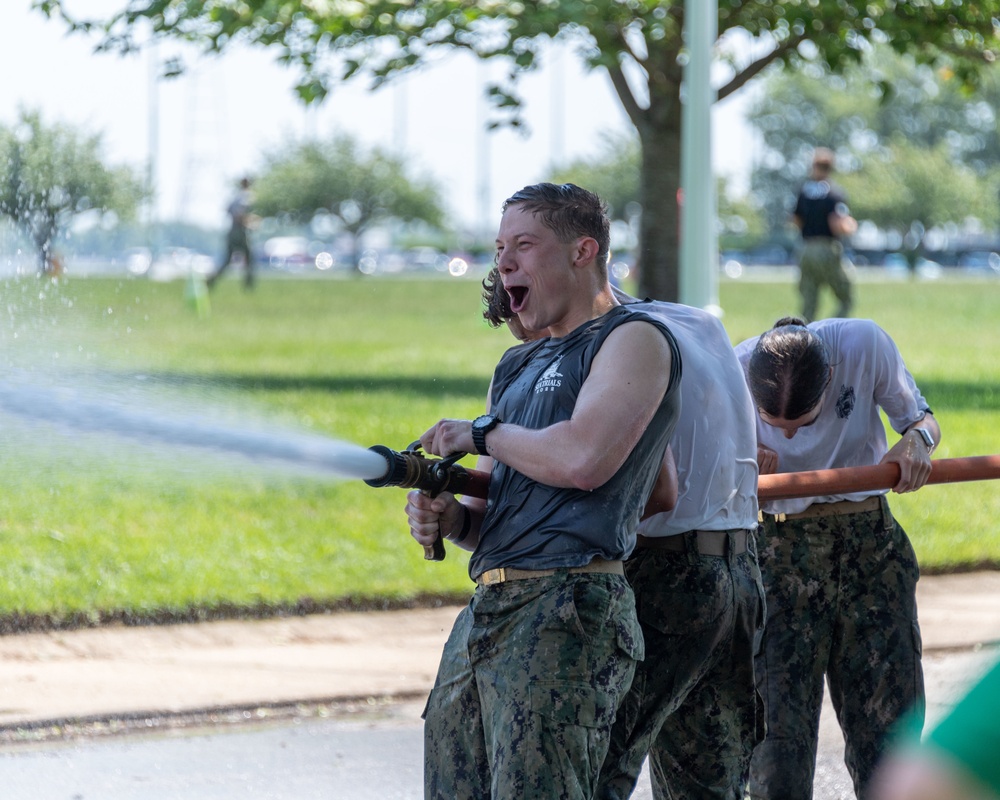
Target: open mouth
518 295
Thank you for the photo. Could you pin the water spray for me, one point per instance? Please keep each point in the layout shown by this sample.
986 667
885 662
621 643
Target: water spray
77 411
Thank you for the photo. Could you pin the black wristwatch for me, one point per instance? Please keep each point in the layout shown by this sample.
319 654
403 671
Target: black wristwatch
480 427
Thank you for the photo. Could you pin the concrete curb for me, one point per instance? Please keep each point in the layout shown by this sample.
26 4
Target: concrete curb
200 670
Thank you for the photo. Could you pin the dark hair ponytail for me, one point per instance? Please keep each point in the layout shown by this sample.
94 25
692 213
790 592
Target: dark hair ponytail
789 369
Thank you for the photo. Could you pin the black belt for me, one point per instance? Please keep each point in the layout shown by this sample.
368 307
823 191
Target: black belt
707 543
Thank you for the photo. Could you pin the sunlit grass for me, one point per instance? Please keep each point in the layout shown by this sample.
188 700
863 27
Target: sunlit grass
91 528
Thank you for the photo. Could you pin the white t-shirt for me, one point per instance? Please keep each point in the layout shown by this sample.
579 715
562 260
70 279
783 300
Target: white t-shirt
868 374
714 443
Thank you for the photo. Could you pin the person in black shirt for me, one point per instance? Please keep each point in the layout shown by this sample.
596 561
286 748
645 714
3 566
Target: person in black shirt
579 420
822 216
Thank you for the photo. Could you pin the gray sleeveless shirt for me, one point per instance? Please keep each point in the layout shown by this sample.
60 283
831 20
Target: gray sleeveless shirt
529 525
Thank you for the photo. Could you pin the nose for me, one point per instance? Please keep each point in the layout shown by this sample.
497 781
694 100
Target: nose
790 432
505 261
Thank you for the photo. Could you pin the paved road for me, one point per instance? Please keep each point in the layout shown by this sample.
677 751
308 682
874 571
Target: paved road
321 685
364 755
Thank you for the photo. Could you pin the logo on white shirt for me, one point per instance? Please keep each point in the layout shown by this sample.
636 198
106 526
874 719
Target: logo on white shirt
845 403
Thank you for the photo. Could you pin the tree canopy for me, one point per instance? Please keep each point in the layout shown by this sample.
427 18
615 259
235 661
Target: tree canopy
638 42
915 148
339 178
613 174
49 174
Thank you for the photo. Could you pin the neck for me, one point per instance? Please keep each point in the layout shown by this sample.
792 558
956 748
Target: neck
604 302
600 304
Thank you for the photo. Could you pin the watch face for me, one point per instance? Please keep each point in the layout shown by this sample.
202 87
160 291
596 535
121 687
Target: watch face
485 422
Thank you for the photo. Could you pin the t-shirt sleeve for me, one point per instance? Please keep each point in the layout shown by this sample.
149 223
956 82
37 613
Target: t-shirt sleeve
895 390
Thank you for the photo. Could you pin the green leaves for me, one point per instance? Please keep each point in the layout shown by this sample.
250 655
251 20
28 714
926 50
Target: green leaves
48 173
639 42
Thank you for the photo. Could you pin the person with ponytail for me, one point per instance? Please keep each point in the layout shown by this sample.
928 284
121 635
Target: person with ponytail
839 572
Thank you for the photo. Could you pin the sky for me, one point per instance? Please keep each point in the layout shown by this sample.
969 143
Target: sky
205 130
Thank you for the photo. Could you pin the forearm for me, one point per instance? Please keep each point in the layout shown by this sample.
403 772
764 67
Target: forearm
929 424
665 491
465 534
913 454
564 455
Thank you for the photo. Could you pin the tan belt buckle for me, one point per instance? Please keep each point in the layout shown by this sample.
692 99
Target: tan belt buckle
492 576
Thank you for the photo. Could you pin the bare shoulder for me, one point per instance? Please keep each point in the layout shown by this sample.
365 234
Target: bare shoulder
642 331
637 344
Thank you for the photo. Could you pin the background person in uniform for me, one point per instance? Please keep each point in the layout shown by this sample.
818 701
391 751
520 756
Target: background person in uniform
693 704
839 572
537 663
822 216
238 239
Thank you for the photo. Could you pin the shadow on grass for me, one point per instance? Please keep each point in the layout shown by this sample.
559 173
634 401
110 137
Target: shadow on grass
960 396
428 385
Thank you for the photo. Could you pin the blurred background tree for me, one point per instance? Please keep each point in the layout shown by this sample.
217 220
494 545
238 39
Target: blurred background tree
613 173
51 175
639 43
916 149
316 182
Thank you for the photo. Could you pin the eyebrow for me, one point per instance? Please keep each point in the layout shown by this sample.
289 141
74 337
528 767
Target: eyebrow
803 425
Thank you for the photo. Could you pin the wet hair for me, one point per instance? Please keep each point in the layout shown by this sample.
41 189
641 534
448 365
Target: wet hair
569 211
789 369
496 301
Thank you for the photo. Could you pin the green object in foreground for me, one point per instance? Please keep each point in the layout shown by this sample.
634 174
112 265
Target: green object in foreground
95 529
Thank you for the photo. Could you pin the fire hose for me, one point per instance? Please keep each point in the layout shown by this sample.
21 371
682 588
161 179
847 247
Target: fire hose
786 485
411 469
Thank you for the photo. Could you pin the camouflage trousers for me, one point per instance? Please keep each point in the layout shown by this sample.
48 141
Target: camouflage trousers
822 263
841 602
693 705
528 687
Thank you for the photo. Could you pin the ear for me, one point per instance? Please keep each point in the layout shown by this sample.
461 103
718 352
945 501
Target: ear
585 250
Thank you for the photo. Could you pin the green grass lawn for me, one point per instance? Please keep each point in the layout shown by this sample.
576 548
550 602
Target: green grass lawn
93 527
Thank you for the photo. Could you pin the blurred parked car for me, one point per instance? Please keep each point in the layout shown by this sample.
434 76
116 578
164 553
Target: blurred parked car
980 260
174 263
427 259
138 260
290 253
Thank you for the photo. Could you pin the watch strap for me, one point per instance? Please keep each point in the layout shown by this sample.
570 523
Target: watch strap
480 427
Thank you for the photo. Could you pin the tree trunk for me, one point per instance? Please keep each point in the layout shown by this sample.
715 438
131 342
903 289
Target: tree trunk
659 228
42 234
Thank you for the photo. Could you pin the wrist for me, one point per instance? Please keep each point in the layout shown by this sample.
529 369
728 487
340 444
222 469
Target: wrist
924 437
457 538
480 427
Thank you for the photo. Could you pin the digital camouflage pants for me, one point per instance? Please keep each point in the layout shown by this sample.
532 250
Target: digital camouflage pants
822 263
841 602
528 687
693 704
